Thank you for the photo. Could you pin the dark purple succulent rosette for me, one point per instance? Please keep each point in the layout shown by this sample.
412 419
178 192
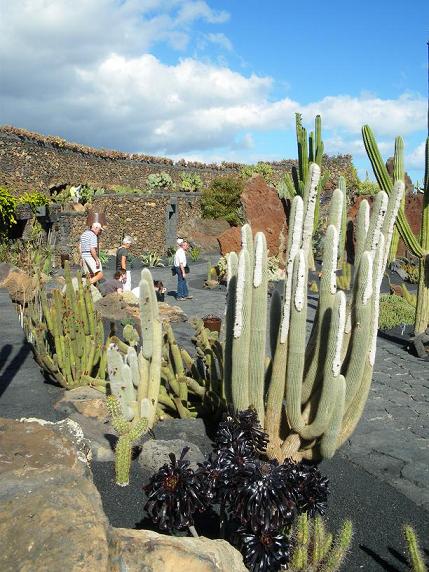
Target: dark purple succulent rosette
174 495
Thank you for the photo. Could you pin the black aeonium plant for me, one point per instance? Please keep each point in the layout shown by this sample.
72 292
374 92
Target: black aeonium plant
259 497
174 494
262 551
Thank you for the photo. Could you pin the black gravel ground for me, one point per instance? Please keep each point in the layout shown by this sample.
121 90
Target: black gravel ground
377 510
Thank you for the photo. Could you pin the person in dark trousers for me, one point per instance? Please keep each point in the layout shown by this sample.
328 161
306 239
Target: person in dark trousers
180 264
122 260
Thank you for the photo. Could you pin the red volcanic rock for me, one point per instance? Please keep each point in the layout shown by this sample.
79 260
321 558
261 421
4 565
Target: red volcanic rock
264 211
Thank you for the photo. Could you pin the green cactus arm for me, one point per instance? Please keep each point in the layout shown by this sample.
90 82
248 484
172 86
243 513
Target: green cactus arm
328 287
123 451
361 327
333 332
422 308
337 554
258 326
138 429
277 379
416 556
175 351
386 184
296 344
319 539
242 333
309 206
328 442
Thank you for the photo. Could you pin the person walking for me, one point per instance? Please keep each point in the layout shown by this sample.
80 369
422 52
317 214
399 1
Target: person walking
122 259
180 266
89 252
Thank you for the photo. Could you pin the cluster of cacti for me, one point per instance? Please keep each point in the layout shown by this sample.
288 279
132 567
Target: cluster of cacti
308 397
414 551
134 377
128 433
418 247
315 549
191 386
67 335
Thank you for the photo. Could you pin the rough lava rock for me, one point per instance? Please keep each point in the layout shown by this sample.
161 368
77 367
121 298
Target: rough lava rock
52 519
264 211
155 453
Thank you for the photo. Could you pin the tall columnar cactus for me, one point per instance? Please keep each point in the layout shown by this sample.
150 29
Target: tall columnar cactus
310 396
128 434
418 246
67 335
135 376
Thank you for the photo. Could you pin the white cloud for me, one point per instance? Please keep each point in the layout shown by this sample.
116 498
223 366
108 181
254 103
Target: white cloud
84 70
221 40
385 116
416 159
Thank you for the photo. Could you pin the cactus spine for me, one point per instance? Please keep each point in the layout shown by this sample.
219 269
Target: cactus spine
67 335
419 248
311 396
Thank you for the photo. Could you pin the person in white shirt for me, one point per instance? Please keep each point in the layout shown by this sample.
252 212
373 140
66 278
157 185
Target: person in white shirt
89 252
180 265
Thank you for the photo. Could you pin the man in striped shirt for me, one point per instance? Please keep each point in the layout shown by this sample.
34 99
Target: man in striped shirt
89 252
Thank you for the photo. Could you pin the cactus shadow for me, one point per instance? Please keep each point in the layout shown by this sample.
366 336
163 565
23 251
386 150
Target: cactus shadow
8 373
382 562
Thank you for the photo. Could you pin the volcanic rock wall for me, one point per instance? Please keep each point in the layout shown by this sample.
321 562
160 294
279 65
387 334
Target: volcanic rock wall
32 162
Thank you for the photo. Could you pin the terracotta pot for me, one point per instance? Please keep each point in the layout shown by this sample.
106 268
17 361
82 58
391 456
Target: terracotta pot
212 323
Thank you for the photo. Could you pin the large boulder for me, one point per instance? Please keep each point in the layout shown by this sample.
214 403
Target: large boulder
264 211
52 519
147 551
203 233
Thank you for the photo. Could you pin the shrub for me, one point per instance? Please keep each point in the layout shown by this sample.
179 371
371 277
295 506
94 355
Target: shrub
190 182
35 200
124 190
7 211
159 181
413 273
263 169
367 187
194 253
222 200
394 311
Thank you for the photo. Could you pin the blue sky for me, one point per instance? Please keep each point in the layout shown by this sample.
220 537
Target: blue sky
217 80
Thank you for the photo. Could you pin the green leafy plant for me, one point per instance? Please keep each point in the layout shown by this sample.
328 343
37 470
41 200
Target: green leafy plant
367 187
195 253
222 200
412 271
190 182
263 169
159 181
34 200
125 190
395 311
103 256
7 211
151 259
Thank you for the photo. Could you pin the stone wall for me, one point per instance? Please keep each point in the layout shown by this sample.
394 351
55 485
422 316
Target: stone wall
146 219
30 162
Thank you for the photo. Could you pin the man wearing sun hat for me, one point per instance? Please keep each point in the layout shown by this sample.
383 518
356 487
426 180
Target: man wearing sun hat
89 252
179 266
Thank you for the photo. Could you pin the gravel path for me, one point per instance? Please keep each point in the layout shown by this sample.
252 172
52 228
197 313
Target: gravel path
379 478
